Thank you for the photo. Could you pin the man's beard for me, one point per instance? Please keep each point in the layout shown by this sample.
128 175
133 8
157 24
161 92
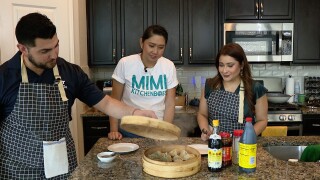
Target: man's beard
38 65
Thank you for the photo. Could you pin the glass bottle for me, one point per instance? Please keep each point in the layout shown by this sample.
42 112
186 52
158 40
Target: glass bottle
235 145
215 149
226 149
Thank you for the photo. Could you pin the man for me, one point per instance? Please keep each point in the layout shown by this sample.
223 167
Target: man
37 90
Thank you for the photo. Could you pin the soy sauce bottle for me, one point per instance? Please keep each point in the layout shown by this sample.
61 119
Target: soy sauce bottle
215 149
248 148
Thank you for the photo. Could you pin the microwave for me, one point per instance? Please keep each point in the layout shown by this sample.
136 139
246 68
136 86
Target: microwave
262 42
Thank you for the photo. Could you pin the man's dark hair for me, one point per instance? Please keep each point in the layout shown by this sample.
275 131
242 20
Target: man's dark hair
32 26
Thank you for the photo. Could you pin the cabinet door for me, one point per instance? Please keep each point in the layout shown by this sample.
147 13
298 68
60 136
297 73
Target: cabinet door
244 9
134 20
257 9
275 9
102 32
306 32
203 31
169 14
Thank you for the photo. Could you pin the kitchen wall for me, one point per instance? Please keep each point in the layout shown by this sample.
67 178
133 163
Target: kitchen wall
190 77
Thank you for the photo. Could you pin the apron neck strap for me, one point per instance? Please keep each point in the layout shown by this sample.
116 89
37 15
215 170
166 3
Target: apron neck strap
23 71
56 74
241 103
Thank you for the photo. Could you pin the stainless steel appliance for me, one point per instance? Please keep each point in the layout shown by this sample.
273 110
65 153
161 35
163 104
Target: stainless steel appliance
262 42
282 114
105 85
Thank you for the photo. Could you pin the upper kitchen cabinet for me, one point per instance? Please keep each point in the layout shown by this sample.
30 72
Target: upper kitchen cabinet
306 33
192 27
257 9
114 29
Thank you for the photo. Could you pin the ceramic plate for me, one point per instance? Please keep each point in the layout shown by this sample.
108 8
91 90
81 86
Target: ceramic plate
202 148
178 107
123 147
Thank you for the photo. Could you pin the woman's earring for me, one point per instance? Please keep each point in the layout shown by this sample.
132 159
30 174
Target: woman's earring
241 72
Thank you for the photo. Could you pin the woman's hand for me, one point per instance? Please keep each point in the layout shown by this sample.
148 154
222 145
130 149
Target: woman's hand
114 135
205 134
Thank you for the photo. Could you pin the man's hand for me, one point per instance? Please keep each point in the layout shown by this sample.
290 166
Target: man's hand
147 113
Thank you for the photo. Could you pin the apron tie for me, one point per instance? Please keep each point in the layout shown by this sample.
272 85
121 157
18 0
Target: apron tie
241 103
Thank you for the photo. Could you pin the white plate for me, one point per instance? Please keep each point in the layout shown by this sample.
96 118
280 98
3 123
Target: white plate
178 107
202 148
123 147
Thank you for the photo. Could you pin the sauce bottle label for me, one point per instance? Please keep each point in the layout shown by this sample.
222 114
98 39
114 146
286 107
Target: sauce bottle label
247 155
226 153
215 158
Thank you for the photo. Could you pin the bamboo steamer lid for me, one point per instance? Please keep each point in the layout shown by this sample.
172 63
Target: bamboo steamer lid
150 128
171 169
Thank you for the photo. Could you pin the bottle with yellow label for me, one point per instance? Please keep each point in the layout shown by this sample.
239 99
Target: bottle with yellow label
248 148
215 149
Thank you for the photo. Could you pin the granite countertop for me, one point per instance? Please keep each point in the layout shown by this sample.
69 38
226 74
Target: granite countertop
307 110
129 166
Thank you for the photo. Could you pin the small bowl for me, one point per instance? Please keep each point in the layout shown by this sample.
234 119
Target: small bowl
178 107
106 156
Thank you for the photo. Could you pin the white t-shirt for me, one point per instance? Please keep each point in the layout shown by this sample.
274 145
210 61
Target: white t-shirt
145 90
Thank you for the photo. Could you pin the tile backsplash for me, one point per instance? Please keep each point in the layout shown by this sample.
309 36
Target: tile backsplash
193 78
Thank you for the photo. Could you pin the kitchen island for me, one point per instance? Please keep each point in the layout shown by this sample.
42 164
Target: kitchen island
129 166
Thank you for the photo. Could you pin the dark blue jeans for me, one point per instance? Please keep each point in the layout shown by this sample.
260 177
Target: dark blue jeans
128 134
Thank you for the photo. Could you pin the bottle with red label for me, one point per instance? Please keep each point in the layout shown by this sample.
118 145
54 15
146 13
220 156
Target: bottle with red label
226 149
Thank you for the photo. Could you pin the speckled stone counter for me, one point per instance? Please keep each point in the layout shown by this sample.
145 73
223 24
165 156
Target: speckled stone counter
307 110
129 166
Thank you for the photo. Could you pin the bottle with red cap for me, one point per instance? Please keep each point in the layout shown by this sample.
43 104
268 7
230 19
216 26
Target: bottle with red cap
248 148
226 149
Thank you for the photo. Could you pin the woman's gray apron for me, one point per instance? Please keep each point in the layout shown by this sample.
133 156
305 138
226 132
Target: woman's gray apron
224 106
39 115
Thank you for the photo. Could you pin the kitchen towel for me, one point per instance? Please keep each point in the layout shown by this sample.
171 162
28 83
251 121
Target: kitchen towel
275 131
290 88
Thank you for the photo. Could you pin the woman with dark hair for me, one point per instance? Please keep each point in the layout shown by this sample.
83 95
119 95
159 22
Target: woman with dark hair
146 80
232 95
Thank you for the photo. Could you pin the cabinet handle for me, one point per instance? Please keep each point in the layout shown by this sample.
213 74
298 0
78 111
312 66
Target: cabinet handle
114 55
316 125
99 128
122 53
261 6
181 53
257 9
190 53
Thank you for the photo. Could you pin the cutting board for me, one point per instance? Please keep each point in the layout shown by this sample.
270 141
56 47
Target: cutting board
150 128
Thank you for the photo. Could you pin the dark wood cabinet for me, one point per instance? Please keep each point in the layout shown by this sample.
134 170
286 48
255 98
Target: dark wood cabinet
306 32
102 31
257 9
311 124
203 26
169 14
115 27
193 29
94 127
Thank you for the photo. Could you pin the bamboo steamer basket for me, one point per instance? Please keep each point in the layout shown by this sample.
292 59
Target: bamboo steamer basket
171 169
150 128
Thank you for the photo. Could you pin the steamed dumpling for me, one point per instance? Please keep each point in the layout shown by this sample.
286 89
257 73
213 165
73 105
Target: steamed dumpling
173 153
